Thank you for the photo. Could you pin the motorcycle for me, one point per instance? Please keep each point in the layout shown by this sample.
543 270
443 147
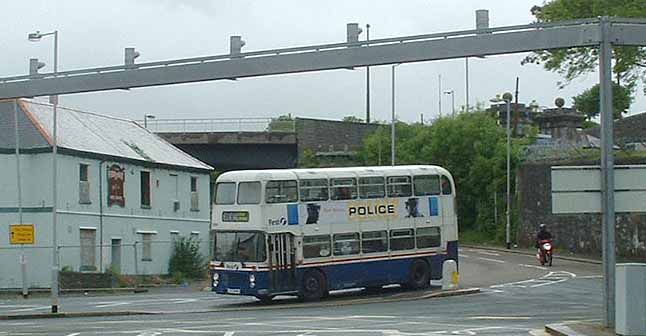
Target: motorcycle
544 254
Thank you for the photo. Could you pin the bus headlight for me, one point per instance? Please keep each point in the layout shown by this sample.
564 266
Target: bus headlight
252 281
216 276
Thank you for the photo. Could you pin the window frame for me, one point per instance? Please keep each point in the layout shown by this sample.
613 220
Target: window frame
432 193
281 188
341 238
389 183
363 186
327 242
238 193
443 179
301 188
382 237
235 193
145 197
354 192
430 228
410 236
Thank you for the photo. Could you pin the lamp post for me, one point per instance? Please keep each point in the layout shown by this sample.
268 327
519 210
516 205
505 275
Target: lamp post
35 37
367 78
392 117
452 93
146 117
507 97
466 80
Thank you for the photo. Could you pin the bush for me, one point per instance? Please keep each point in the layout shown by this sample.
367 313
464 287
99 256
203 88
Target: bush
187 261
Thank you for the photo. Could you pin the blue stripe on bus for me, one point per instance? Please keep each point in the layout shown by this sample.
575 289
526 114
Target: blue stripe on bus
292 214
378 272
433 206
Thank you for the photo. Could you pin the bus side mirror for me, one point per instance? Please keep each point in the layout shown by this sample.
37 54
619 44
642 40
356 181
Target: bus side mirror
298 247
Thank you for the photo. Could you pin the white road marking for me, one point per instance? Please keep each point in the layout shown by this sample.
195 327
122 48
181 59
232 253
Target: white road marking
500 318
534 266
463 256
591 277
492 260
550 278
489 253
30 309
74 334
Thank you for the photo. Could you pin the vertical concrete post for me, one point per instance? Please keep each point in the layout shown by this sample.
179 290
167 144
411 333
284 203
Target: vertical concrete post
450 276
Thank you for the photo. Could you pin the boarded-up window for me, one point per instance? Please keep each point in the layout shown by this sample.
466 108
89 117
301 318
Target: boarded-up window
88 249
145 189
116 180
146 247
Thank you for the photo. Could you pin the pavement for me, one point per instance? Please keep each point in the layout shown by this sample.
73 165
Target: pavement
516 297
578 329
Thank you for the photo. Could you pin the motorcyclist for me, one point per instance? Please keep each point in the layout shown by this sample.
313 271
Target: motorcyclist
542 234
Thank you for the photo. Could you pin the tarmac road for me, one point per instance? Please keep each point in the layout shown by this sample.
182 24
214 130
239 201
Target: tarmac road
517 296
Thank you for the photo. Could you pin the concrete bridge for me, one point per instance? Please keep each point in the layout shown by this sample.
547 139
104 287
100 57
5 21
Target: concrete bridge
263 143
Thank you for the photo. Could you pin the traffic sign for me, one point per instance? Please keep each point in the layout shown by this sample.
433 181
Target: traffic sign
22 234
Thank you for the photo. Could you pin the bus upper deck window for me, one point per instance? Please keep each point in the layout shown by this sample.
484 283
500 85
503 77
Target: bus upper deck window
314 190
249 193
225 193
281 191
371 187
446 186
399 186
426 185
343 188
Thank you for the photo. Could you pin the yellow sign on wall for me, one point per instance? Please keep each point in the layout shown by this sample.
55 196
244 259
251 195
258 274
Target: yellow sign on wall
22 234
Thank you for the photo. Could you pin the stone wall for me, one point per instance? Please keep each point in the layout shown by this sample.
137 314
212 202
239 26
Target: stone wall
579 233
332 142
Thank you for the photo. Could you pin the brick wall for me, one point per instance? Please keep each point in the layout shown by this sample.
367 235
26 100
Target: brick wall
579 233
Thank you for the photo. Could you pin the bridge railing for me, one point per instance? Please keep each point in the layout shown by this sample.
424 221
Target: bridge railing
220 125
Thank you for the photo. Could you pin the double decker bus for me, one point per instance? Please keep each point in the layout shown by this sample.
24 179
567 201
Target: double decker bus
306 232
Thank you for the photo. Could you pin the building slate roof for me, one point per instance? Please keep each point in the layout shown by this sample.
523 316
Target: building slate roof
626 130
89 133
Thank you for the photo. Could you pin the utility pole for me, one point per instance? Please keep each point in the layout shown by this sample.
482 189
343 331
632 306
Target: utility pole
367 78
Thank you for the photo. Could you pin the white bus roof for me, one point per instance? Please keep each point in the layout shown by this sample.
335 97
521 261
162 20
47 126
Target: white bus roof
310 173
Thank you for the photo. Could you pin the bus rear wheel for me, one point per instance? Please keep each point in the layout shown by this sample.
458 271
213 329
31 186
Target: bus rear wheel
313 287
420 275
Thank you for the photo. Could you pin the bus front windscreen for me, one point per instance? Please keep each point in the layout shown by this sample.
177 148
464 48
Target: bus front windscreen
240 246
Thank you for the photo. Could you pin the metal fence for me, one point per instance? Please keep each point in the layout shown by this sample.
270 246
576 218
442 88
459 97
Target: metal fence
123 265
219 125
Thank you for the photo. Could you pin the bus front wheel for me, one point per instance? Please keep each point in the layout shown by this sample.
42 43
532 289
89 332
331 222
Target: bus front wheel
420 275
313 287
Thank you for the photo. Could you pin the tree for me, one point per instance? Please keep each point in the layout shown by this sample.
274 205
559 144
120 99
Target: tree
588 101
352 119
630 62
470 145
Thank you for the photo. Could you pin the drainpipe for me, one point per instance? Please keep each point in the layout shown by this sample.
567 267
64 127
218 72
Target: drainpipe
101 216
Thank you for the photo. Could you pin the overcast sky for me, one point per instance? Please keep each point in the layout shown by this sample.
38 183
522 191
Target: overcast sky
94 33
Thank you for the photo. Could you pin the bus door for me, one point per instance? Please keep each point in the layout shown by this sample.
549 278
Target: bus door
282 262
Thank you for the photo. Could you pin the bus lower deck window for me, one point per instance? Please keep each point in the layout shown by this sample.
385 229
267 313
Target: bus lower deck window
428 237
316 246
375 241
402 239
346 243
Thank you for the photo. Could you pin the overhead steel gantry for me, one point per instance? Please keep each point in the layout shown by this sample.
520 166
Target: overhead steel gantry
354 53
603 33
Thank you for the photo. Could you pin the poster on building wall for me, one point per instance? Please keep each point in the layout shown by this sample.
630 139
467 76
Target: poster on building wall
116 179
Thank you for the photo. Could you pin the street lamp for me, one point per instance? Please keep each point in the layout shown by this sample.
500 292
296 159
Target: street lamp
367 78
452 93
507 97
146 117
35 37
392 117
